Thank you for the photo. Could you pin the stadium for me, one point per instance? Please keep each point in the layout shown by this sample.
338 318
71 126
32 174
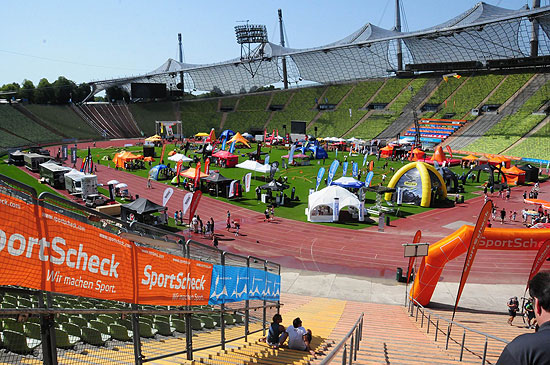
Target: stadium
350 184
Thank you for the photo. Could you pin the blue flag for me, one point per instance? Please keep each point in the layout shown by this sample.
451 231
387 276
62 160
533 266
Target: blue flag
332 170
291 154
344 168
266 162
364 160
355 170
223 143
232 147
320 175
369 178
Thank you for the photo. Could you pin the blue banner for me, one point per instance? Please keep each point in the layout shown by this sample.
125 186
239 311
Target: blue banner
355 170
223 142
266 162
365 159
320 175
369 178
291 154
233 284
344 168
232 147
332 171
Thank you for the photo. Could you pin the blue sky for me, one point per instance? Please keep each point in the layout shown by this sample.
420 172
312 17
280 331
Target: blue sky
91 40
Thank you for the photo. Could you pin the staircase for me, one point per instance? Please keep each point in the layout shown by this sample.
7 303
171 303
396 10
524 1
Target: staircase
474 131
407 117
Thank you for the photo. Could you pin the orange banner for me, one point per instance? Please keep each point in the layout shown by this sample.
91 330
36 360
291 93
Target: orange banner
44 250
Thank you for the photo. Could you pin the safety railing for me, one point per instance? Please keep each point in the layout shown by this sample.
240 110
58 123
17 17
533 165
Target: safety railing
349 345
46 327
433 320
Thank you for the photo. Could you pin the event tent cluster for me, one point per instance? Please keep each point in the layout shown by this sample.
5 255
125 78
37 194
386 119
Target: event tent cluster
482 33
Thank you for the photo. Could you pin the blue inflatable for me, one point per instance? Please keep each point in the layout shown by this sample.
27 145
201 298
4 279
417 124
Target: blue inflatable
314 147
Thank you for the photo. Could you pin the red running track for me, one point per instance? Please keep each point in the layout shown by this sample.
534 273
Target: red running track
366 252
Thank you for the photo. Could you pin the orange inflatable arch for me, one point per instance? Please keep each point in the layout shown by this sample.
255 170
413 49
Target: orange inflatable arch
457 243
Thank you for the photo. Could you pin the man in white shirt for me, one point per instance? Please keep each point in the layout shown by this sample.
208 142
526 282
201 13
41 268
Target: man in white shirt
298 337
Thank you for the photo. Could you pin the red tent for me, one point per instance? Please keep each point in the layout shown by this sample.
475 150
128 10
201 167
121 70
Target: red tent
513 175
418 154
226 158
386 151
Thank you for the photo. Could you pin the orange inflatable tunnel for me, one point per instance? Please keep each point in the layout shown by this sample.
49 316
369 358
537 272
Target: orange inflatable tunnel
456 244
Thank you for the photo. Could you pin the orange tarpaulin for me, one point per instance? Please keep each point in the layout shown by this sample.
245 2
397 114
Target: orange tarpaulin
498 160
190 173
418 154
122 157
238 138
386 151
470 158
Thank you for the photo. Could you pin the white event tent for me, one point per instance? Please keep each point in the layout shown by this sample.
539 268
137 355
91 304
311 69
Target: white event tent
321 203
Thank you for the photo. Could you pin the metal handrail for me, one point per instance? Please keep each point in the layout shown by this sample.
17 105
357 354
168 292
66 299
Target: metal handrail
460 325
358 325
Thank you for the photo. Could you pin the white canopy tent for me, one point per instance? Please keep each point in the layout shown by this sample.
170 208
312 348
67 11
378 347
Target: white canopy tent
321 203
179 157
255 166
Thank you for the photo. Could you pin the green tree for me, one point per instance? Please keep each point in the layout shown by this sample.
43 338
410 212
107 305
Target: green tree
27 91
82 90
44 92
63 89
116 93
13 87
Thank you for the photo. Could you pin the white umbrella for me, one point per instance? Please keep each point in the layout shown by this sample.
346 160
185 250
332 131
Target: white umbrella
179 157
112 182
121 186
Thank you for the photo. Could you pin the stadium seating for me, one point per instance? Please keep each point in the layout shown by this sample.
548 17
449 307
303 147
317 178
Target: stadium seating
65 119
22 128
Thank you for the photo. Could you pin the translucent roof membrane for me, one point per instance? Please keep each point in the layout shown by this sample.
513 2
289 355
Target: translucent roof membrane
481 33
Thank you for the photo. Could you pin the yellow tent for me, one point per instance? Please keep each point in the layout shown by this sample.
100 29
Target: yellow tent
238 138
201 134
155 138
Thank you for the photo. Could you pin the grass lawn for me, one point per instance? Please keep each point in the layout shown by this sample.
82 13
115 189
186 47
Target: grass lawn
302 178
15 173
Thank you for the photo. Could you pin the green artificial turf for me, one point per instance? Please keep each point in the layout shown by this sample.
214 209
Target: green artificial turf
302 178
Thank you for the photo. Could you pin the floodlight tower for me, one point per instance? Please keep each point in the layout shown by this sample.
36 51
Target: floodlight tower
252 38
398 29
285 76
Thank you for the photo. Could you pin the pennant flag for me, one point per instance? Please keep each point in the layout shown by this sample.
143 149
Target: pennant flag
232 147
162 153
168 192
211 137
186 202
194 204
232 189
197 174
450 151
336 155
265 135
266 162
224 141
368 179
207 166
364 160
247 179
291 154
178 170
472 248
332 170
344 168
542 254
416 239
320 175
355 169
371 166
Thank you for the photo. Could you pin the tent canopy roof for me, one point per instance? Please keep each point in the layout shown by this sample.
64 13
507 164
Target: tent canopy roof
326 197
143 206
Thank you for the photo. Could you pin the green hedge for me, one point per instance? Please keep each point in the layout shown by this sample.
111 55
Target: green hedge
63 118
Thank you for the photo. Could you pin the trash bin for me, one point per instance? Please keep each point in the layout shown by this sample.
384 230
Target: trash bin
388 220
399 275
